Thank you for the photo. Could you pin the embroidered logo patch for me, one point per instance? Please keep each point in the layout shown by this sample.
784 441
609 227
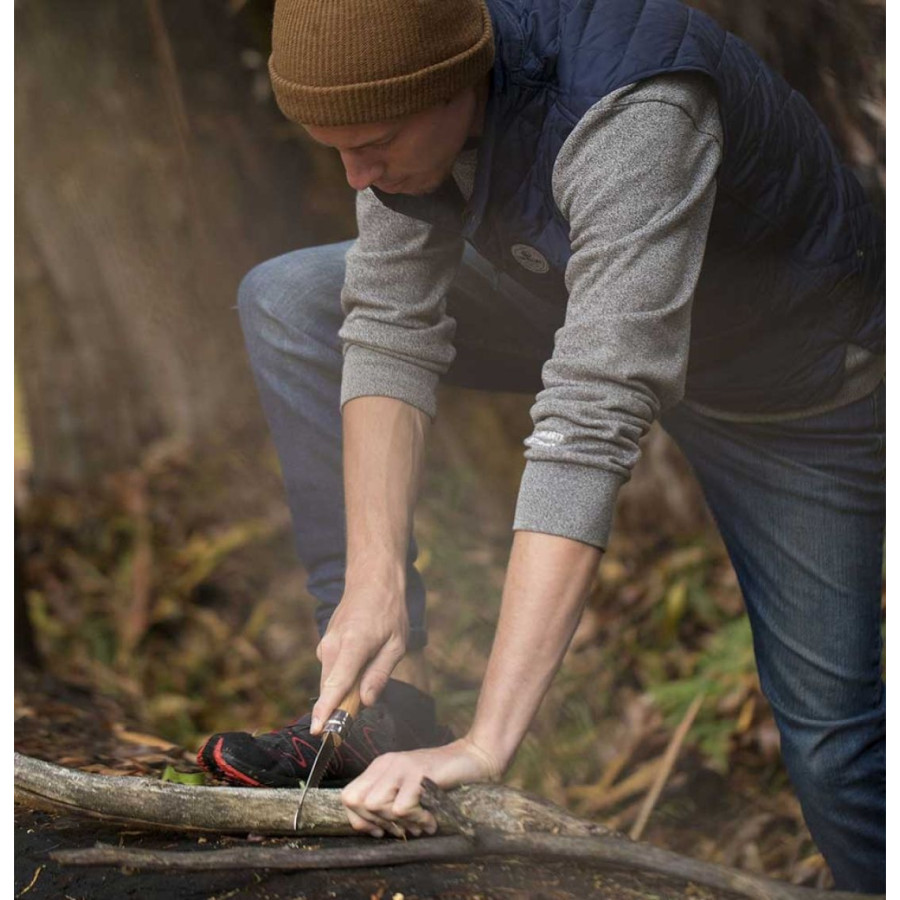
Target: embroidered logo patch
529 258
545 438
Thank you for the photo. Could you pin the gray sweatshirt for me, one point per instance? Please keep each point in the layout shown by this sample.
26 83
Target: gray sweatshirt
636 181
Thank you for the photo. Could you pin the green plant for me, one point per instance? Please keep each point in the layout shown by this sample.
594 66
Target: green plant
726 673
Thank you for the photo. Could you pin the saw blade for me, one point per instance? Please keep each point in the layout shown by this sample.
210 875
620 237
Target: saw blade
323 758
334 733
322 761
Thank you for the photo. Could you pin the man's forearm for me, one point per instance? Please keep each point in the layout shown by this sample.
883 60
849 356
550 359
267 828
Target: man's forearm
384 442
547 583
384 448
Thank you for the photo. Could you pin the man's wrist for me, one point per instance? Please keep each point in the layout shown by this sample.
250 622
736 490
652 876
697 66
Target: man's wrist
385 575
495 744
491 766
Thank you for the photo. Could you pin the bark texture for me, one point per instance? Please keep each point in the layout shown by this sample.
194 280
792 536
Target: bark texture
229 810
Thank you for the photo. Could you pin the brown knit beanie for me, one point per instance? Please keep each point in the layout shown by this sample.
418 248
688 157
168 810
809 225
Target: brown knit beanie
349 62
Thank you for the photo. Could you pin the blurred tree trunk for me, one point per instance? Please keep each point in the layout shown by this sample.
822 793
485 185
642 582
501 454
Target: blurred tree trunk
148 180
832 52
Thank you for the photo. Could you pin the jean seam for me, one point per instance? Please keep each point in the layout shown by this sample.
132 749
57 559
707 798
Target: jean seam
879 425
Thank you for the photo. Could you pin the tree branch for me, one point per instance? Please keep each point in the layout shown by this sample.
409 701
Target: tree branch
606 852
270 811
494 820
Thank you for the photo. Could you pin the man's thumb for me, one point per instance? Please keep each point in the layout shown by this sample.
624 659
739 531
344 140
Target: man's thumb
333 691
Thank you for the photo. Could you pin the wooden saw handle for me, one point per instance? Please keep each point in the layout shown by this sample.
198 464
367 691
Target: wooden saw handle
352 702
341 720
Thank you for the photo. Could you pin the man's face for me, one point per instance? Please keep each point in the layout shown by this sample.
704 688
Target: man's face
412 155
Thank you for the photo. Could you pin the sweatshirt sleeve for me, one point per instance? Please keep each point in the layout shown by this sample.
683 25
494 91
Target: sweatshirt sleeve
636 182
397 337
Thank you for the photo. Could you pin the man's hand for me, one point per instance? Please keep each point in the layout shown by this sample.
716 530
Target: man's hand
383 448
366 638
385 798
547 581
384 442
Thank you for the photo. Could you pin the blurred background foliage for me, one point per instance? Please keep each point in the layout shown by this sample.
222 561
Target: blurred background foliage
154 560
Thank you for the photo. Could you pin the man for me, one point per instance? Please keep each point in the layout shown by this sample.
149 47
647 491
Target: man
618 206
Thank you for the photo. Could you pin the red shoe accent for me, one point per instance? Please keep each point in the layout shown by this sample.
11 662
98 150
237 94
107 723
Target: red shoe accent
367 732
300 759
230 771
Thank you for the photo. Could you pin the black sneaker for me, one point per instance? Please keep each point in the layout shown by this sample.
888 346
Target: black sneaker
401 719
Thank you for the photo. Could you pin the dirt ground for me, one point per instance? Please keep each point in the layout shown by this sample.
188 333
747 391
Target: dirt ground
69 725
39 833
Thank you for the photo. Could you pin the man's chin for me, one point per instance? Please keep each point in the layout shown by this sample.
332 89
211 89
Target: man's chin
419 192
410 188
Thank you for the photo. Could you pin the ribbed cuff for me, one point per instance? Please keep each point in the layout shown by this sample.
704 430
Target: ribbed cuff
568 500
368 373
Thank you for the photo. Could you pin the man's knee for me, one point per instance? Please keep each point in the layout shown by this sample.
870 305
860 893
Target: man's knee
255 288
827 757
293 292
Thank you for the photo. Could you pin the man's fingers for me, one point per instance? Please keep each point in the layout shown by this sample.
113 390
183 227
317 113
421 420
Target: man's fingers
338 677
373 791
378 823
379 671
369 799
361 824
390 789
325 706
330 698
407 803
373 683
389 799
342 662
327 649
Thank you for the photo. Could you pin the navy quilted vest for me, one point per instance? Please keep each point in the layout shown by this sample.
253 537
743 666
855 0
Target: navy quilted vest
794 265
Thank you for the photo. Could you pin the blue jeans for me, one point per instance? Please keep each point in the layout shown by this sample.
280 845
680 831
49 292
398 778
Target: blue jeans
800 506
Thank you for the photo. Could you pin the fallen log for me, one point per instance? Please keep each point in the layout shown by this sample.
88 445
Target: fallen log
268 811
506 822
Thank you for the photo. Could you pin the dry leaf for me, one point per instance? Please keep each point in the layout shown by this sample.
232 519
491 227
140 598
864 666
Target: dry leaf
144 740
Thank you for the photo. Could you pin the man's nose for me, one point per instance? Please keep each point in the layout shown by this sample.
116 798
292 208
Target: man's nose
362 170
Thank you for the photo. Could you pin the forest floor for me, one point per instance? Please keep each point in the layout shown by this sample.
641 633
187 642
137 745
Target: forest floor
501 879
166 608
70 725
